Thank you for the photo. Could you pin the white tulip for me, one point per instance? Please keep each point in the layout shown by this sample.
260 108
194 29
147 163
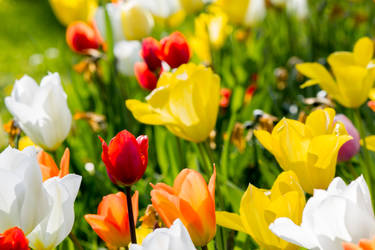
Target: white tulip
299 8
58 223
24 201
343 213
173 238
256 12
161 8
127 53
114 13
43 210
41 111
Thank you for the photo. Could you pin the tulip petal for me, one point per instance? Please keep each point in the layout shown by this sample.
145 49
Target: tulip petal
230 220
287 230
363 51
341 59
370 142
64 163
145 113
320 122
166 205
265 138
317 72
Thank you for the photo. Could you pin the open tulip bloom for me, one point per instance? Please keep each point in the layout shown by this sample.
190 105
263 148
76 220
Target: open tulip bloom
43 210
354 74
342 213
309 149
41 111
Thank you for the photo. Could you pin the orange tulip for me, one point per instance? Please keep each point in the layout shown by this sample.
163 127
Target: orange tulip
49 168
190 200
112 222
363 244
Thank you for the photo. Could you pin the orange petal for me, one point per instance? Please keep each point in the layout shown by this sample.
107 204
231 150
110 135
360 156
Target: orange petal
135 206
164 187
64 163
107 231
114 209
166 206
211 184
47 165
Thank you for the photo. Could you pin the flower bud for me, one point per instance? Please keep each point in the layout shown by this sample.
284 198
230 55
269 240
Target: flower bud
351 147
14 239
151 53
125 158
137 22
146 78
175 49
82 37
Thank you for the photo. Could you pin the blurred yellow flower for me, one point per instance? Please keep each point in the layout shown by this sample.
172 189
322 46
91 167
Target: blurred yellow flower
137 22
260 207
309 149
211 30
354 74
68 11
186 102
370 142
25 142
243 12
191 6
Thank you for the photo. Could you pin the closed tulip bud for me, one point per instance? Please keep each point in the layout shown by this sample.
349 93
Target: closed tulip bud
175 49
81 37
151 53
350 148
14 239
192 201
137 22
125 158
146 78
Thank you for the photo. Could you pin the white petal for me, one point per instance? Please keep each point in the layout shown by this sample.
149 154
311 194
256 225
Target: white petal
256 12
127 54
287 230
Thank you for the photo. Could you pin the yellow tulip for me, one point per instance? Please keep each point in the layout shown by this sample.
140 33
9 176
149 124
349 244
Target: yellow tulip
211 30
186 102
243 12
191 6
68 11
354 74
259 208
137 22
309 149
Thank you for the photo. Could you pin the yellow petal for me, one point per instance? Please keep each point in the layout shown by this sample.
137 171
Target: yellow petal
144 113
230 220
265 138
370 142
318 73
341 59
320 121
363 51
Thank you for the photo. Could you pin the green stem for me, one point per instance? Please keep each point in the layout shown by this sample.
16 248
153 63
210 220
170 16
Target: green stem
366 168
205 161
225 152
75 241
130 214
209 152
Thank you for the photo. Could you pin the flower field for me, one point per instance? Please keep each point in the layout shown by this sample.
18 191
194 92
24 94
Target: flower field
187 124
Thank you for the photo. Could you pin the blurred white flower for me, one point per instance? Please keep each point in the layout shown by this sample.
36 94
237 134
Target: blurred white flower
41 111
127 53
43 210
129 20
160 8
299 8
58 223
343 213
256 12
173 238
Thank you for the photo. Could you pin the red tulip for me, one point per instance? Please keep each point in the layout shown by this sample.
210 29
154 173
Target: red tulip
14 239
146 78
125 158
81 37
175 49
151 53
225 94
